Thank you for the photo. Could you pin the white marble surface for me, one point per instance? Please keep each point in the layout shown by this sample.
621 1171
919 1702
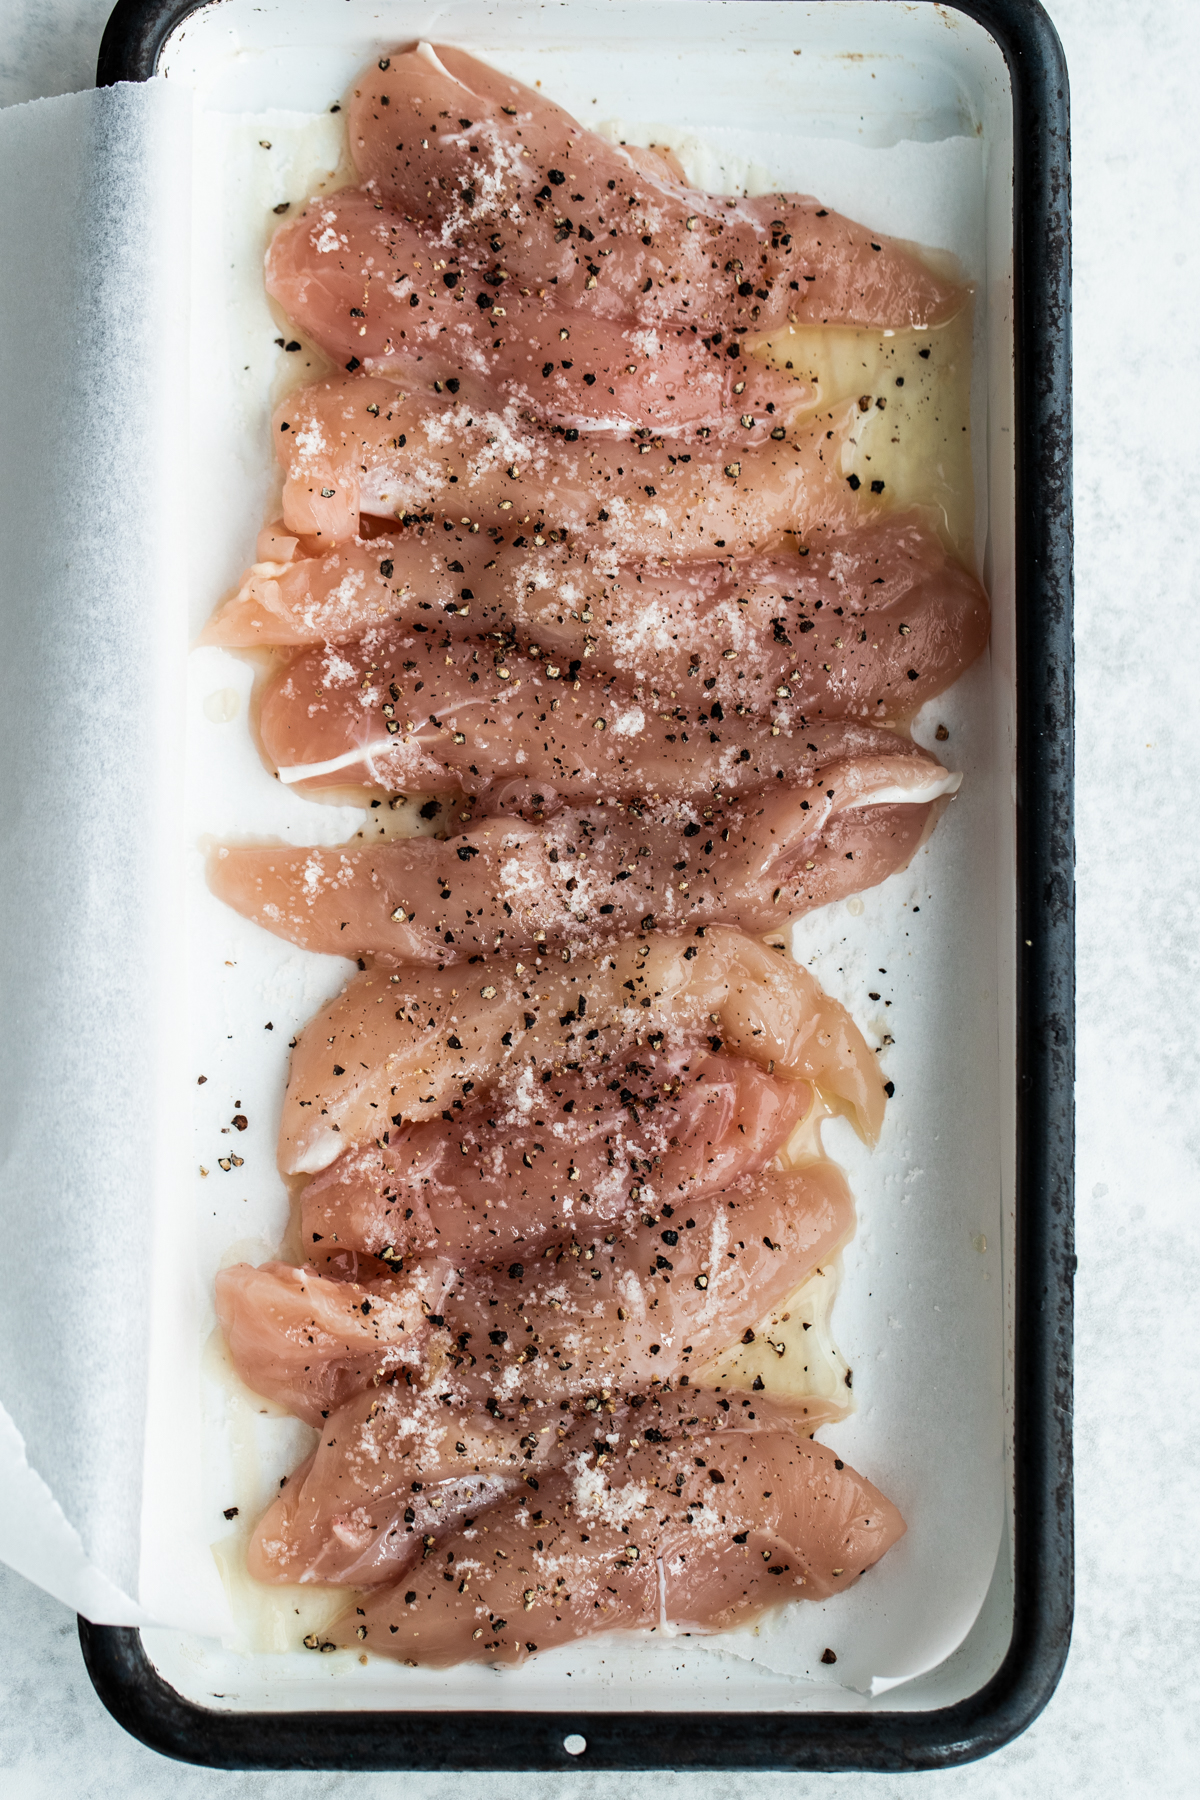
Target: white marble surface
1126 1719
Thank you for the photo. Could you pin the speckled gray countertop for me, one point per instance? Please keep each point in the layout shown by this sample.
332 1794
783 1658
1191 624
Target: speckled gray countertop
1126 1718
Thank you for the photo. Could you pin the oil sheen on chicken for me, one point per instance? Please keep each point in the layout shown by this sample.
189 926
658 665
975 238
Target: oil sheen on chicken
363 445
654 1300
375 291
396 1467
422 712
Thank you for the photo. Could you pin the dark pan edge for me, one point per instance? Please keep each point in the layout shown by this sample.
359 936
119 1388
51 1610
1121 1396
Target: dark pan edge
134 37
152 1711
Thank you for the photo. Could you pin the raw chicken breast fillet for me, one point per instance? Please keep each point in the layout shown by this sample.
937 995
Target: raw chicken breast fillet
588 876
555 540
657 1298
395 1049
395 1468
360 445
512 186
529 1160
425 713
698 1533
654 1300
309 1343
376 292
868 625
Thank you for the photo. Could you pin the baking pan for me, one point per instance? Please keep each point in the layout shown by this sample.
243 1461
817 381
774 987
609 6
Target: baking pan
1020 1641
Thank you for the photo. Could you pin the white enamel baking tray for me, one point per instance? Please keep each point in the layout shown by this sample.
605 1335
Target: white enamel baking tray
903 114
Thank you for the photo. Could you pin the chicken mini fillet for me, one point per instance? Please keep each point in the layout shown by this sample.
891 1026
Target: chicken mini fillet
395 1049
870 624
529 1160
686 1529
375 292
309 1343
653 1301
396 1468
510 185
425 713
586 877
362 445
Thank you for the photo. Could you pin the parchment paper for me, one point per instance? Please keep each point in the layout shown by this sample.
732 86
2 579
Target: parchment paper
93 345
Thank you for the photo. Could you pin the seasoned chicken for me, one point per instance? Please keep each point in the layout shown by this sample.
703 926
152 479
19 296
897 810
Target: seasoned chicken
870 624
397 1466
654 1301
309 1342
588 876
395 1049
421 712
513 188
376 292
571 559
694 1530
530 1159
366 445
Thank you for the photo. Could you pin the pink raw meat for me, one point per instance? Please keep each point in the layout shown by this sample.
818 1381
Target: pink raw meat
399 1048
424 712
510 184
585 877
533 1159
870 624
366 445
396 1468
309 1343
376 292
655 1301
700 1532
